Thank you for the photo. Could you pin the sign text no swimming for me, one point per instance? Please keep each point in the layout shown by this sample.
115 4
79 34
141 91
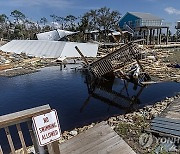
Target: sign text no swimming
47 128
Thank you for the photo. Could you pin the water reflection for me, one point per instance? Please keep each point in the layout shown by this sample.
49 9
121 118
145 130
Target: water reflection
102 89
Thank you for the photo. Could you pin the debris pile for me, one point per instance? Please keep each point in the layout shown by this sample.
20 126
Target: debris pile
152 61
115 64
12 64
157 67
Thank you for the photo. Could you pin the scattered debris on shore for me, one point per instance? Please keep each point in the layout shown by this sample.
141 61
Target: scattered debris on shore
12 64
130 126
155 61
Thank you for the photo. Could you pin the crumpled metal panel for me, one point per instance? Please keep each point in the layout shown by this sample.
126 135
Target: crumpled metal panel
51 35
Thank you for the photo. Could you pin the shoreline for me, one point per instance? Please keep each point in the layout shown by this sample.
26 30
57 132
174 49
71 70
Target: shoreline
128 124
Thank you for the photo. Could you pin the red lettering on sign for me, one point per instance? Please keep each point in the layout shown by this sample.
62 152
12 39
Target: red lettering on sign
47 127
50 134
46 120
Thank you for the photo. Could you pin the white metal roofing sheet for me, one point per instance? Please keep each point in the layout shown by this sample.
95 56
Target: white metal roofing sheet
50 49
88 49
51 35
54 35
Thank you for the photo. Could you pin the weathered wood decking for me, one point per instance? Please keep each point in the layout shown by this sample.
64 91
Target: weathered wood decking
100 139
168 123
173 110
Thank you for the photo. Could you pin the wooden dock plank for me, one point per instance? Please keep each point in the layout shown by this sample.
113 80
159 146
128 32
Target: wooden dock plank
122 147
99 139
73 141
112 147
98 144
173 110
169 121
91 138
173 115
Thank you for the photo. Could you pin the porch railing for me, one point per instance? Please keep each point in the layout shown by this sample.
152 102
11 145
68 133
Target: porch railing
25 116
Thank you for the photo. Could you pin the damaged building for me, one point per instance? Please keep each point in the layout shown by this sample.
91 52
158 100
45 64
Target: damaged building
145 26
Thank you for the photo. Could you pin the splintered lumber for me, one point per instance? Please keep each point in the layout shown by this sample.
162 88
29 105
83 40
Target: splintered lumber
82 55
5 66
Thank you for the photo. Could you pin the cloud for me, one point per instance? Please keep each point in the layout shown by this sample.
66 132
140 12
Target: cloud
171 10
41 3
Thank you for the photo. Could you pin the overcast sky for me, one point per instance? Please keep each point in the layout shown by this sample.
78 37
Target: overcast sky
35 9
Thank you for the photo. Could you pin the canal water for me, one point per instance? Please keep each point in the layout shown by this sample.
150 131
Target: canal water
66 91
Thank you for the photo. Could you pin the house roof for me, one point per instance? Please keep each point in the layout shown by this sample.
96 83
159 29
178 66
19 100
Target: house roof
146 16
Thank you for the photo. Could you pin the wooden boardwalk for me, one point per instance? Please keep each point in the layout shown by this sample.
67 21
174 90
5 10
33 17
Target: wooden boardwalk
173 110
100 139
168 123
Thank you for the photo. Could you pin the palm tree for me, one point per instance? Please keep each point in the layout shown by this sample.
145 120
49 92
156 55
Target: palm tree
18 16
43 20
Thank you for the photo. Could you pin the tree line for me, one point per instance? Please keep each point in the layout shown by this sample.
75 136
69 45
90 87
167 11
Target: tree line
22 28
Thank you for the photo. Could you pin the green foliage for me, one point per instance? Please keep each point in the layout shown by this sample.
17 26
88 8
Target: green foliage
100 19
22 28
43 20
135 128
3 18
18 15
124 128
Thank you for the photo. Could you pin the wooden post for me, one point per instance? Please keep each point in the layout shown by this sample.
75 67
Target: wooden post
153 36
144 34
29 123
10 140
160 36
147 37
53 148
167 35
21 138
150 36
85 60
114 38
157 35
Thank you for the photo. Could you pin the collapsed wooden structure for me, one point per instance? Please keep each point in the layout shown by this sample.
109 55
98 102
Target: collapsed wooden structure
113 63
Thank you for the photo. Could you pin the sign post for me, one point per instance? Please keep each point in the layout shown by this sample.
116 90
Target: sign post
47 130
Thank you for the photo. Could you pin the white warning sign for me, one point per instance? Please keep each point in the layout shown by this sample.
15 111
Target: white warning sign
47 128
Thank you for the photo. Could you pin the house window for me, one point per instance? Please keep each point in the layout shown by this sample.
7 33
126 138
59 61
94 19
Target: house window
130 23
137 23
